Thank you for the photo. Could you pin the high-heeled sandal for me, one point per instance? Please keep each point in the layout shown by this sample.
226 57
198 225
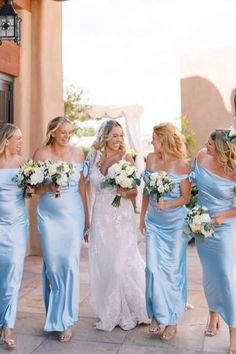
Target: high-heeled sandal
65 336
232 334
212 332
8 338
155 327
169 333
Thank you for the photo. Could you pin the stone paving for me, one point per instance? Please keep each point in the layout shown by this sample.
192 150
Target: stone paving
87 340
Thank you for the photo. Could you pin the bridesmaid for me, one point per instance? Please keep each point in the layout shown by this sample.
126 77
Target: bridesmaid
13 230
216 166
61 224
166 289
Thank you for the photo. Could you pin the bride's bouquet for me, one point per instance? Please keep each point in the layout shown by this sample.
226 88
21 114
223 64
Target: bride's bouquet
58 173
121 174
157 184
30 175
199 223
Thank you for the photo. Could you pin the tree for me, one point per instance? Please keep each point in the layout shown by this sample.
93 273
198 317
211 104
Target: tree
74 107
189 136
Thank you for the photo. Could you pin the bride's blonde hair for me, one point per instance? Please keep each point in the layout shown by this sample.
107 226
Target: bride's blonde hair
97 153
173 142
225 150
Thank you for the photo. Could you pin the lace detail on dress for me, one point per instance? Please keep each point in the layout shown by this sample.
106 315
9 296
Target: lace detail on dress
117 270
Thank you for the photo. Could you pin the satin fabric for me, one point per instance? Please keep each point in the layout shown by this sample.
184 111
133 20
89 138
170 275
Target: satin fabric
218 253
166 284
61 225
13 244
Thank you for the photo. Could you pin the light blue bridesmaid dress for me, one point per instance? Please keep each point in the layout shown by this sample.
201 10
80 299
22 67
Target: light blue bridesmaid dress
13 244
61 225
218 253
166 284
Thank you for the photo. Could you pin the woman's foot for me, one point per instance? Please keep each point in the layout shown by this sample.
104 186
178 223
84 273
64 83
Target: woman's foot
8 338
213 325
232 335
154 327
169 332
65 336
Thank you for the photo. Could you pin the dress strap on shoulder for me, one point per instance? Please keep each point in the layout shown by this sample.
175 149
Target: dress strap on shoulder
124 156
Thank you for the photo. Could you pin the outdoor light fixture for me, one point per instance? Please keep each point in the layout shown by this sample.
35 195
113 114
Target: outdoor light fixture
9 23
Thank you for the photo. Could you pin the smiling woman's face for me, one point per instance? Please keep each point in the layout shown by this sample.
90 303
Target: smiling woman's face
63 134
116 138
210 145
14 143
156 142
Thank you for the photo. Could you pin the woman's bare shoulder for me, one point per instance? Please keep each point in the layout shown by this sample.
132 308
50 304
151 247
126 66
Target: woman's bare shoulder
41 153
183 165
77 154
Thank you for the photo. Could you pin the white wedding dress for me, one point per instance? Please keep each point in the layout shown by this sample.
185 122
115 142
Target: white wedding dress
117 270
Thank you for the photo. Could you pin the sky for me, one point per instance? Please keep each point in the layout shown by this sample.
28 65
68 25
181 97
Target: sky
128 52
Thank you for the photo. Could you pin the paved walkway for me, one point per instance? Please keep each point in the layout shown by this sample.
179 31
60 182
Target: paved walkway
87 340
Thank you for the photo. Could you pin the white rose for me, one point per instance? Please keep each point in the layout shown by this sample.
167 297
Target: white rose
129 170
37 177
52 170
126 183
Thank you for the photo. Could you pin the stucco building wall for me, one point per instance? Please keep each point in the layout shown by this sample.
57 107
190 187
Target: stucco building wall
38 83
208 83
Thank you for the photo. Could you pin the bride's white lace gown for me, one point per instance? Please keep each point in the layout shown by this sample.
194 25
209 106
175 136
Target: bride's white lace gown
117 270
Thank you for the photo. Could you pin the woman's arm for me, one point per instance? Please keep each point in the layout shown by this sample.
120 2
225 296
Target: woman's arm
185 189
145 202
231 213
82 188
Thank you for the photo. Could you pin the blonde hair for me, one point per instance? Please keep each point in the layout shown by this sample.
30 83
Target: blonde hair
225 150
53 125
103 136
173 142
6 132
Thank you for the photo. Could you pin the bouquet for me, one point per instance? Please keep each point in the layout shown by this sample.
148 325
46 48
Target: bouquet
199 223
121 174
58 173
31 174
157 184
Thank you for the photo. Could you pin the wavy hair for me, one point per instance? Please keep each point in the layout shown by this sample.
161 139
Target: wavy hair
6 132
173 142
225 150
53 125
97 151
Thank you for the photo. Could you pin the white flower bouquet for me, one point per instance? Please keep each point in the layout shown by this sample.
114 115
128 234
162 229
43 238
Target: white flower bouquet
121 174
199 223
58 173
31 174
157 184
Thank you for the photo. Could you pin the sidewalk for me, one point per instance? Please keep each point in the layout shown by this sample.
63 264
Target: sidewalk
190 338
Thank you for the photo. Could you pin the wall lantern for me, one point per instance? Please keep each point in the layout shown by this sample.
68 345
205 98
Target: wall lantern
9 23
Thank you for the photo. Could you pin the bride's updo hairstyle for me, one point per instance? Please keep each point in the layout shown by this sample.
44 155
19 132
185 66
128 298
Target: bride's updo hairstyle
53 125
6 132
225 149
173 142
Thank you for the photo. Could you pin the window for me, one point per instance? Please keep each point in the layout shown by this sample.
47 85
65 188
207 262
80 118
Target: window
6 99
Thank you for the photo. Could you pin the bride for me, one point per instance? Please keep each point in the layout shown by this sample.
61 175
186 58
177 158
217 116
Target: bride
117 270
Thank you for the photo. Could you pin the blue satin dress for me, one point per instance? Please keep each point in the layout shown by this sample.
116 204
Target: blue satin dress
13 244
166 279
218 253
61 225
